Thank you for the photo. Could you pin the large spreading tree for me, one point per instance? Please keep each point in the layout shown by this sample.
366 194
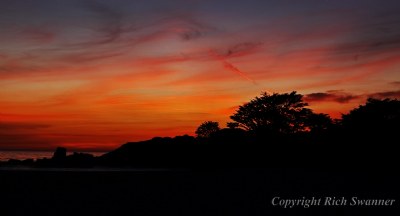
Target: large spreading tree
276 113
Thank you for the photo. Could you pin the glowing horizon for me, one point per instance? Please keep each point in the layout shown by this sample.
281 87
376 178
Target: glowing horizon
95 74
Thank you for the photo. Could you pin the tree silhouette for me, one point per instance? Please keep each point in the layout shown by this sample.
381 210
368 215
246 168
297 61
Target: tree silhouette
275 113
376 116
232 125
319 122
206 129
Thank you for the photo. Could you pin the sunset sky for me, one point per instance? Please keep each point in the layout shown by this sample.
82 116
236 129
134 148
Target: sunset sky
92 75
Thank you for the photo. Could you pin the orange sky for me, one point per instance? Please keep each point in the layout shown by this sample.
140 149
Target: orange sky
92 75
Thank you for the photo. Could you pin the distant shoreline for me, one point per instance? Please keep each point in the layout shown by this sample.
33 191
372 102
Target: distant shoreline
94 169
6 155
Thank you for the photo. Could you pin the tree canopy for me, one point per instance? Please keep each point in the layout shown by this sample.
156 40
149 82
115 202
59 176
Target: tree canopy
207 128
318 122
277 113
375 115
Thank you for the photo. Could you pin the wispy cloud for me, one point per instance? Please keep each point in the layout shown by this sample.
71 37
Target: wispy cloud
39 34
17 126
241 49
24 141
108 23
89 57
19 134
229 66
189 34
396 83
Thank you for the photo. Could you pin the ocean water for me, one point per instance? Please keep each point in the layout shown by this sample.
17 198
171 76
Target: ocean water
22 155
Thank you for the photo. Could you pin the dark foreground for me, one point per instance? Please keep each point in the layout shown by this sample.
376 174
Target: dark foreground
184 192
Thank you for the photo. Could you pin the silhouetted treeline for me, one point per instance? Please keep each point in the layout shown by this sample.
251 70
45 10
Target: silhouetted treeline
272 130
277 130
